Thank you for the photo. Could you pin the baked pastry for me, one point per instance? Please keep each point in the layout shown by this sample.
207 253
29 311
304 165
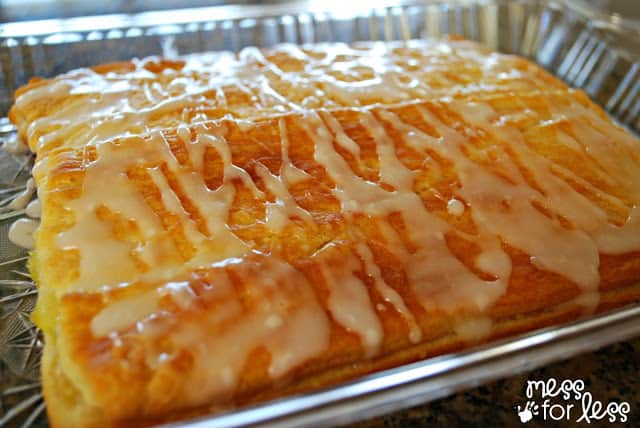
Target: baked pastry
90 105
194 262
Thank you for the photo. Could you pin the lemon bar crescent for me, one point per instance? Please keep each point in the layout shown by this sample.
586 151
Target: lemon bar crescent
356 208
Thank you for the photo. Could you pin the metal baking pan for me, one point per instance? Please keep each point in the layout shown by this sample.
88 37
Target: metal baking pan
592 50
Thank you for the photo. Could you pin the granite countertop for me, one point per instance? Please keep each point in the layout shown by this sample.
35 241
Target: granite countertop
611 374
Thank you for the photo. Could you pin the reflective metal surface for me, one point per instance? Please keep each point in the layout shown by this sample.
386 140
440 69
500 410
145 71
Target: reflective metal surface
587 48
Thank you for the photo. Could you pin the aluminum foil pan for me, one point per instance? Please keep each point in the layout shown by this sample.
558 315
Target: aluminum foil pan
592 50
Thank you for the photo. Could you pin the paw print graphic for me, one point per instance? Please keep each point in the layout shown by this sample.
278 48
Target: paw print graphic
530 410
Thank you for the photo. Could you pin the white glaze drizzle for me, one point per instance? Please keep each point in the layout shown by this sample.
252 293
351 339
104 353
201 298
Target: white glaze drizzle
123 313
455 207
22 199
390 295
502 206
286 319
291 174
33 209
124 102
284 207
349 301
485 192
99 259
438 278
21 232
14 145
565 201
475 329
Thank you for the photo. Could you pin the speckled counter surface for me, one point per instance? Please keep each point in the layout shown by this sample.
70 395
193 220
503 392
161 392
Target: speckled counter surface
610 374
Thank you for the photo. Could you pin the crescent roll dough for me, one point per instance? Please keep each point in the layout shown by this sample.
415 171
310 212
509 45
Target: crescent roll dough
225 228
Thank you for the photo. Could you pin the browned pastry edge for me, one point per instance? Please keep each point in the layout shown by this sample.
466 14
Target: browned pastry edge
517 311
63 411
616 290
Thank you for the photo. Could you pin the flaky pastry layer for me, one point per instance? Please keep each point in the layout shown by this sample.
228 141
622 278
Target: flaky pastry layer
196 264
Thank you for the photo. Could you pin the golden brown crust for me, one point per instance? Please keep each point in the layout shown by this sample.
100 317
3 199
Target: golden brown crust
101 371
279 79
521 308
62 412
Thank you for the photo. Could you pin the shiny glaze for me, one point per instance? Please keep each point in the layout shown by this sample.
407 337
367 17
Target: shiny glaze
519 199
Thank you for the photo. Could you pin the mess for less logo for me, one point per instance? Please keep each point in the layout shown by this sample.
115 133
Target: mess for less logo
567 400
